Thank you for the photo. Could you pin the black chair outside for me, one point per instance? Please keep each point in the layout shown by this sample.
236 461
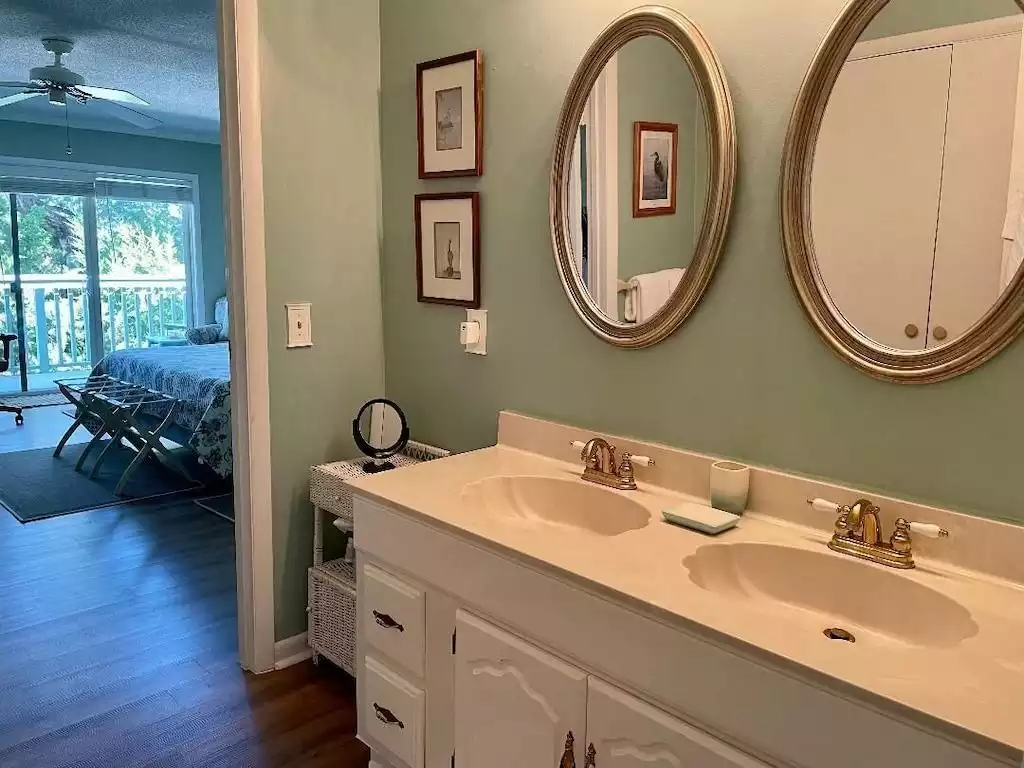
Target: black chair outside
5 365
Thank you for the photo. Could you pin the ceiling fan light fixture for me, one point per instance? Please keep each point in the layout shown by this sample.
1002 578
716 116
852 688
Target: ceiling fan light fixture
58 98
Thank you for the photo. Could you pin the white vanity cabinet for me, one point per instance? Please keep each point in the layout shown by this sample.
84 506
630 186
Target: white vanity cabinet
499 658
515 705
627 733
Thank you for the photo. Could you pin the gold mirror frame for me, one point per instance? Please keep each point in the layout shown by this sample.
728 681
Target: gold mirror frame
720 123
982 341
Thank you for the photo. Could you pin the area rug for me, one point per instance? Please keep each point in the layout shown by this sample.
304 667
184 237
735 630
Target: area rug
34 485
222 505
34 400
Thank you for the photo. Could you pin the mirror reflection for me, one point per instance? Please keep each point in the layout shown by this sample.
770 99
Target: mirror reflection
639 180
917 192
380 426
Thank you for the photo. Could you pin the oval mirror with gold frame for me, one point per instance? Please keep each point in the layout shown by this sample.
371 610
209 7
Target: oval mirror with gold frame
642 177
902 173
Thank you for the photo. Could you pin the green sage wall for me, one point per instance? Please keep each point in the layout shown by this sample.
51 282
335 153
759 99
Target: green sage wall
746 377
903 16
646 67
321 176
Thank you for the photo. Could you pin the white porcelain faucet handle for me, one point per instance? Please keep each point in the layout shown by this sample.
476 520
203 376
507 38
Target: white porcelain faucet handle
930 530
824 505
643 461
579 445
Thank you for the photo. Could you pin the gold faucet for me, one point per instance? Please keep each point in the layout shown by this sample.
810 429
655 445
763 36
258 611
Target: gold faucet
599 465
858 532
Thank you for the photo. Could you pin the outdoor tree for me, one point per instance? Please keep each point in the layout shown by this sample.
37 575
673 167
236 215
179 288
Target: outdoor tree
133 238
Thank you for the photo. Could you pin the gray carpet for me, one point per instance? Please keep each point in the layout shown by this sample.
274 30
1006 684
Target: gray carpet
34 485
34 400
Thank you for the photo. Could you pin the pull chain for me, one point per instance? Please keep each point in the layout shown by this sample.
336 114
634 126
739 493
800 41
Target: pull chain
67 131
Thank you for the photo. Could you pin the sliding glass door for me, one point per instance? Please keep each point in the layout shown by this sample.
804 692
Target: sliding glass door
87 268
143 255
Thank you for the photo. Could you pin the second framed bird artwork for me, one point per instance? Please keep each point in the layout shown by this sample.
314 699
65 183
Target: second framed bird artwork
654 168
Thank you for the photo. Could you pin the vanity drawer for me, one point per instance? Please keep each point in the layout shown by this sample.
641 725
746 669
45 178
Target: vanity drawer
392 714
393 615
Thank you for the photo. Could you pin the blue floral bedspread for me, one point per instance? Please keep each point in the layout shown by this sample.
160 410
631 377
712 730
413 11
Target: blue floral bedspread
199 376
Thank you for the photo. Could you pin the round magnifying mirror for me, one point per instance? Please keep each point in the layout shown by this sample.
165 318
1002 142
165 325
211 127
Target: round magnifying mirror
380 431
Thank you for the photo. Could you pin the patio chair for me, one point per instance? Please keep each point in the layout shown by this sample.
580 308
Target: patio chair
5 365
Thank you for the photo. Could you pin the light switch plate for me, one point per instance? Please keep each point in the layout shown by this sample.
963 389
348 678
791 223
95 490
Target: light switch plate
478 316
300 325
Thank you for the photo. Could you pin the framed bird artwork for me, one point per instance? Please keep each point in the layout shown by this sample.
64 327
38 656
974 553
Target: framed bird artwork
450 116
654 169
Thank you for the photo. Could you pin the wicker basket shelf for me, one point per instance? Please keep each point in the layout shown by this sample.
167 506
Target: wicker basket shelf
332 585
332 612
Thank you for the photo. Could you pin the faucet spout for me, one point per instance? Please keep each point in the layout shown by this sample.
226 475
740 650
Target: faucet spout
600 464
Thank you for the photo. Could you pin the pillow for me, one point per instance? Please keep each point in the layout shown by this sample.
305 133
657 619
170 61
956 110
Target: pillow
203 334
220 314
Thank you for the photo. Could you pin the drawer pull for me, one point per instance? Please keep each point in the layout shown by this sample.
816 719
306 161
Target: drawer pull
386 716
387 622
569 756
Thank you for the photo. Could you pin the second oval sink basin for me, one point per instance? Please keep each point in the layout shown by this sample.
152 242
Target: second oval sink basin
552 501
845 589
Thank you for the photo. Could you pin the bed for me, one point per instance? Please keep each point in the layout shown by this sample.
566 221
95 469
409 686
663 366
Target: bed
199 376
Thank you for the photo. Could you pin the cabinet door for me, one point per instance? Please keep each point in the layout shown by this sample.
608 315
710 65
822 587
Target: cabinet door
626 733
975 183
515 705
875 191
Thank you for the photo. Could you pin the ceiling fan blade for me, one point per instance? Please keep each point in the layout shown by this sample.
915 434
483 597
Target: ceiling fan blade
4 84
19 97
127 114
112 94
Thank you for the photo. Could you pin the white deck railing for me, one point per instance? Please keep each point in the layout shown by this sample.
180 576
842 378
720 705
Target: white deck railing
58 331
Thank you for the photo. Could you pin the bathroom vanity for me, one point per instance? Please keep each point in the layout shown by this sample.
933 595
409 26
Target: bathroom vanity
512 614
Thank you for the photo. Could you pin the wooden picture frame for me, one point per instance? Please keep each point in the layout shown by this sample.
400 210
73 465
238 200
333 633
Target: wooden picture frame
445 90
651 171
448 249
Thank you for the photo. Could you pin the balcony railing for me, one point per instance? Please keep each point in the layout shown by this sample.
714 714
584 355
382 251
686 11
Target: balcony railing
58 331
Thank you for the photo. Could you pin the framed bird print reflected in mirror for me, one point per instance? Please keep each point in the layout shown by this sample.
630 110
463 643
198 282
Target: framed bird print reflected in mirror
654 169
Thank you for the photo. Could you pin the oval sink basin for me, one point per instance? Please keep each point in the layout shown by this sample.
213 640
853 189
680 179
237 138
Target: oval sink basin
550 501
843 590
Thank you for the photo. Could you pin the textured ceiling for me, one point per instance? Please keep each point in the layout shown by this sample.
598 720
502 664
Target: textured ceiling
165 51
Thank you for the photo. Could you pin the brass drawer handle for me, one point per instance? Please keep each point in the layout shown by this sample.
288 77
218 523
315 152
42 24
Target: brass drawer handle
569 756
387 622
386 716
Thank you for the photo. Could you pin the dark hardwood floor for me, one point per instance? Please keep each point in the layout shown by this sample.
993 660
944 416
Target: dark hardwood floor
118 648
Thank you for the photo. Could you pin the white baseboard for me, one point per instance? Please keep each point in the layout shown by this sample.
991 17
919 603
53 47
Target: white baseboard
291 650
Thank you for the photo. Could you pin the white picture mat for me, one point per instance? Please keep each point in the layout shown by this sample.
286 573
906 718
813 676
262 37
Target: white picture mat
460 75
670 166
431 212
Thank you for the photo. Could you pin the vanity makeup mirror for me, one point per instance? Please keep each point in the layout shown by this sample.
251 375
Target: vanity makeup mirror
380 431
642 179
903 186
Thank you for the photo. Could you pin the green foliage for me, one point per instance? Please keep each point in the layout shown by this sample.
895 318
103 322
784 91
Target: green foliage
136 237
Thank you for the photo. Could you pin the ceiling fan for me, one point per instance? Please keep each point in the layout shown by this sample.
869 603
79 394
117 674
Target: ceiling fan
58 84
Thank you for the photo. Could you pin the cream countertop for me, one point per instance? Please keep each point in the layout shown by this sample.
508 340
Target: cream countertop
977 685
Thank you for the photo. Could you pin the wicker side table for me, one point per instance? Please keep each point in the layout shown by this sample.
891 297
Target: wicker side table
331 608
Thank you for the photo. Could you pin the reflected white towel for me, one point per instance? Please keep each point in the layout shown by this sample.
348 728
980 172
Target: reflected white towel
1013 247
646 294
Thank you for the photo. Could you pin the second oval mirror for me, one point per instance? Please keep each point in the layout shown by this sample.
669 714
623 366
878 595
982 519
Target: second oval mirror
643 176
904 186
